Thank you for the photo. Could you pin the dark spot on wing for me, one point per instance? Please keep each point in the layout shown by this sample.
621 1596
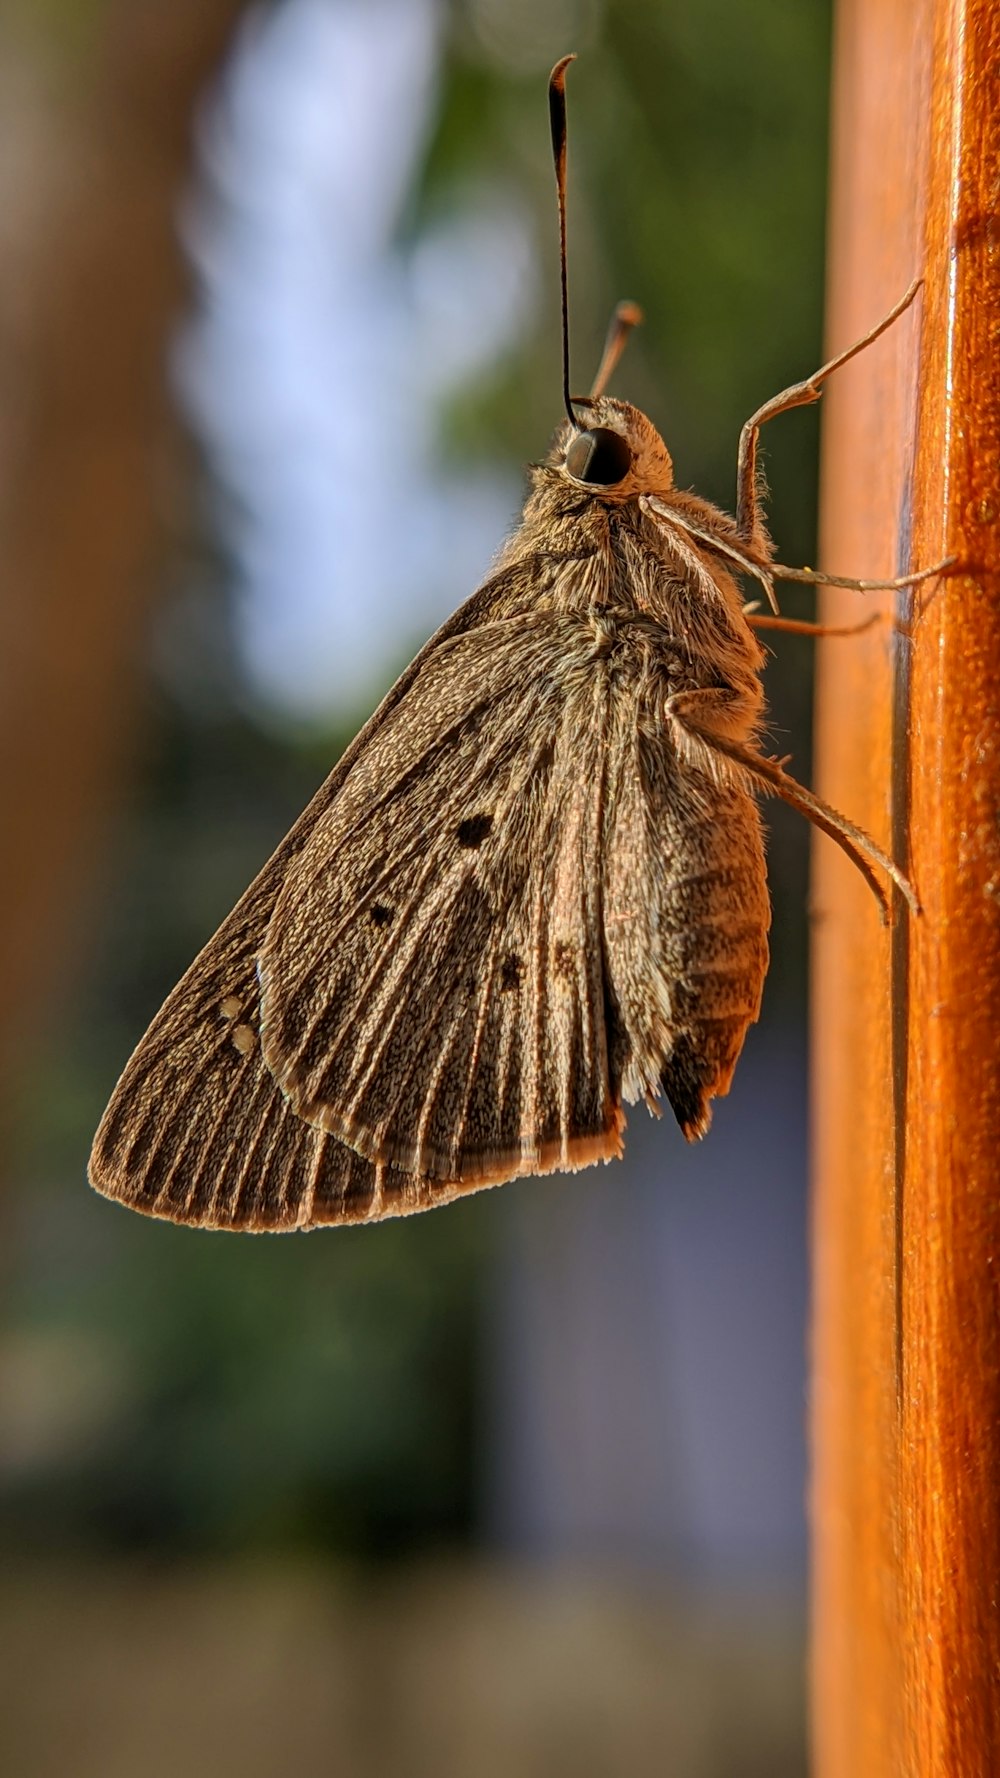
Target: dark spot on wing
562 958
473 831
511 971
381 915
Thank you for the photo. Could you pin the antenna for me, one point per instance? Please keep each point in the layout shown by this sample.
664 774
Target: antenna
557 118
626 316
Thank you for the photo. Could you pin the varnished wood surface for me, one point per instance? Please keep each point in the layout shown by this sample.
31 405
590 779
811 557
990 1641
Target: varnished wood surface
906 1348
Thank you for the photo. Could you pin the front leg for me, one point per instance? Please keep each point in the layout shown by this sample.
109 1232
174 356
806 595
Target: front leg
703 721
749 505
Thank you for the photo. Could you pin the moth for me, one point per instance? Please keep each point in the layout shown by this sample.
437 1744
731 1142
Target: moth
532 891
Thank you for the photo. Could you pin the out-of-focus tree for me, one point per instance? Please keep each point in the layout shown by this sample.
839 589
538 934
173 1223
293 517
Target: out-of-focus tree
95 117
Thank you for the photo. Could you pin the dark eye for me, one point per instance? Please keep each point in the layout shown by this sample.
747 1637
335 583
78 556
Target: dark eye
600 456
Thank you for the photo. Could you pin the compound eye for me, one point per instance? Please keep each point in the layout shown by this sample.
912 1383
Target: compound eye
600 456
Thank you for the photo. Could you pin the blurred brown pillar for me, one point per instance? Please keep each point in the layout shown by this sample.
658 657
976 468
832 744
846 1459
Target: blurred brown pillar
906 1346
95 134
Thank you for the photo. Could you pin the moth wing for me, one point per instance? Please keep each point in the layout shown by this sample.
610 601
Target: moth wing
432 974
197 1129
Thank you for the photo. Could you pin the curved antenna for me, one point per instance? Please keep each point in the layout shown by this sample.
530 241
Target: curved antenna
557 119
626 316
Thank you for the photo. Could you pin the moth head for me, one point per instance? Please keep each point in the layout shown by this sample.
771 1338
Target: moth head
613 450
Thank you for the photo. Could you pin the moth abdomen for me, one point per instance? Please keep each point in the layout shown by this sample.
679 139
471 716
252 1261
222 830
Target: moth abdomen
700 1068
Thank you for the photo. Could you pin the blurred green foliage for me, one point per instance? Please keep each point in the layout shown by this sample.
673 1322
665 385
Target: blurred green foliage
323 1391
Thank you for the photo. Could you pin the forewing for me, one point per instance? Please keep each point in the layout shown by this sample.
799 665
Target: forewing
432 975
197 1130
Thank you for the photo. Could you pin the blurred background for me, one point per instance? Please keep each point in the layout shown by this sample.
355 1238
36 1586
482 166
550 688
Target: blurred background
518 1486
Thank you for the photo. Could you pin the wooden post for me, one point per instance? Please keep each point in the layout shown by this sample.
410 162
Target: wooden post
906 1339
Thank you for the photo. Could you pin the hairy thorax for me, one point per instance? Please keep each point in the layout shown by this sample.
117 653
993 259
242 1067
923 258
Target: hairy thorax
642 591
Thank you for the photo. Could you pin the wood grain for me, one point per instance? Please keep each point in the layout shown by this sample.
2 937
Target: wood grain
906 1411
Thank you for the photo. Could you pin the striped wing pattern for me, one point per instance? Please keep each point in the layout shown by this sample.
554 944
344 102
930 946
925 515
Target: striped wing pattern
410 1000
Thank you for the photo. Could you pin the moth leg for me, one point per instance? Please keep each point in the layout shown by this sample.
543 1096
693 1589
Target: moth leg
793 626
813 577
749 503
691 714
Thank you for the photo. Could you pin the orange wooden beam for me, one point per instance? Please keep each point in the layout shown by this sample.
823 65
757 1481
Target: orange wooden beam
906 1426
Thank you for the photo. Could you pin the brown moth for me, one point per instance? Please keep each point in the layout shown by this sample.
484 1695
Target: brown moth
532 891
